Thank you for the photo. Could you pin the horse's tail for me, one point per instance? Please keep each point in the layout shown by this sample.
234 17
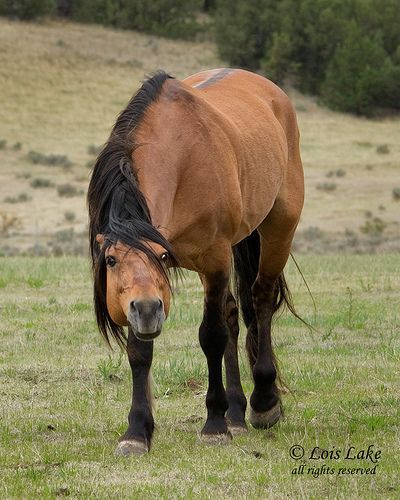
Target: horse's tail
246 256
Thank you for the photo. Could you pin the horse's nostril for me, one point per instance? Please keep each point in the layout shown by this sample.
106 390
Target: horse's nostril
146 307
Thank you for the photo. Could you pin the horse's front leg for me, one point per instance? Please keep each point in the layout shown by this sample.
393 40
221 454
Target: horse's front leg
137 439
213 336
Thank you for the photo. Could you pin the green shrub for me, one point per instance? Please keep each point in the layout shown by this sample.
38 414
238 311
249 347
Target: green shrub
26 9
373 226
21 198
348 52
94 150
326 186
171 18
39 182
382 149
396 193
94 11
358 74
243 30
50 160
69 216
68 190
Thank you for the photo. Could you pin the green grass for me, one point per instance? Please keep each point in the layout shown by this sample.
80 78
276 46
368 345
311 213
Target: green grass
65 397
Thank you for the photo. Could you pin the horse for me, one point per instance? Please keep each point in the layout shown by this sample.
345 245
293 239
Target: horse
203 174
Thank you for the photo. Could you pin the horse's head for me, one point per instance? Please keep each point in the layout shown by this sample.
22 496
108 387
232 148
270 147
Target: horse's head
137 289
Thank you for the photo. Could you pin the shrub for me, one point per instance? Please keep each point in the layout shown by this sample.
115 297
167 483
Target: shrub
26 9
94 150
68 190
50 160
348 52
355 77
382 149
326 186
3 144
396 193
338 173
40 182
8 222
373 226
23 175
94 11
171 18
17 146
243 30
69 216
18 199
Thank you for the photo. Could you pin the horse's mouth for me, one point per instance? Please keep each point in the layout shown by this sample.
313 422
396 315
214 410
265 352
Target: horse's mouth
146 337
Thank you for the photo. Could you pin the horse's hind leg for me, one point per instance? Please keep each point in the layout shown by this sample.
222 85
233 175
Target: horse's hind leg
236 398
276 234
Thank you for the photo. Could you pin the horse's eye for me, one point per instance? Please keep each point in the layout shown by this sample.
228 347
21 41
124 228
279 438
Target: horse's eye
111 261
165 257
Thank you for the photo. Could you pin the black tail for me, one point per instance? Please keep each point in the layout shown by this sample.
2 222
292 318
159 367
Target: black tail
246 255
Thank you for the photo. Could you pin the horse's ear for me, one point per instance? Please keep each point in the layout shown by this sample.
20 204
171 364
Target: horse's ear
100 239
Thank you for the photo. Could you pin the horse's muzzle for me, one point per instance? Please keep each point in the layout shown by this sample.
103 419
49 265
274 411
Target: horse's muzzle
146 318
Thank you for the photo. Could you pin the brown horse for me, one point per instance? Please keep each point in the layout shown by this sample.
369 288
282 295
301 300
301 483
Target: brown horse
201 174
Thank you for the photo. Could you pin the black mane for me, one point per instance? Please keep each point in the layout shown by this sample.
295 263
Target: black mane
117 207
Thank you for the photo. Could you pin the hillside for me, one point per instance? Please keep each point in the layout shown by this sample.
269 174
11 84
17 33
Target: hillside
62 85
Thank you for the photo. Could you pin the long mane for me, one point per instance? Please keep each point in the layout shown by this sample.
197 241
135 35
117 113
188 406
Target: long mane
117 207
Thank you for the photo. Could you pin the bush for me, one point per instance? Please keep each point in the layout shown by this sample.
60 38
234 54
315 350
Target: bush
39 182
373 226
347 51
94 11
396 193
382 149
171 18
94 150
68 190
326 186
358 74
243 30
69 216
50 160
21 198
26 9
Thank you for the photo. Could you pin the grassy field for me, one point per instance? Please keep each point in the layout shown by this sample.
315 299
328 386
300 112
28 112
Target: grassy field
61 86
65 397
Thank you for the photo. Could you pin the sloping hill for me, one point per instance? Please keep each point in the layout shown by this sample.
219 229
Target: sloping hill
61 86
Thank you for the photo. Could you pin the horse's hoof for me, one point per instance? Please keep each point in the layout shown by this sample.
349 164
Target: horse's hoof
218 439
266 419
131 447
237 429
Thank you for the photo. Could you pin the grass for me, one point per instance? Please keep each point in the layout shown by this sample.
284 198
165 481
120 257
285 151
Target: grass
65 397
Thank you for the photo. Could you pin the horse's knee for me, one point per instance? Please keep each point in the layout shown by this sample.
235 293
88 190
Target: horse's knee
213 337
